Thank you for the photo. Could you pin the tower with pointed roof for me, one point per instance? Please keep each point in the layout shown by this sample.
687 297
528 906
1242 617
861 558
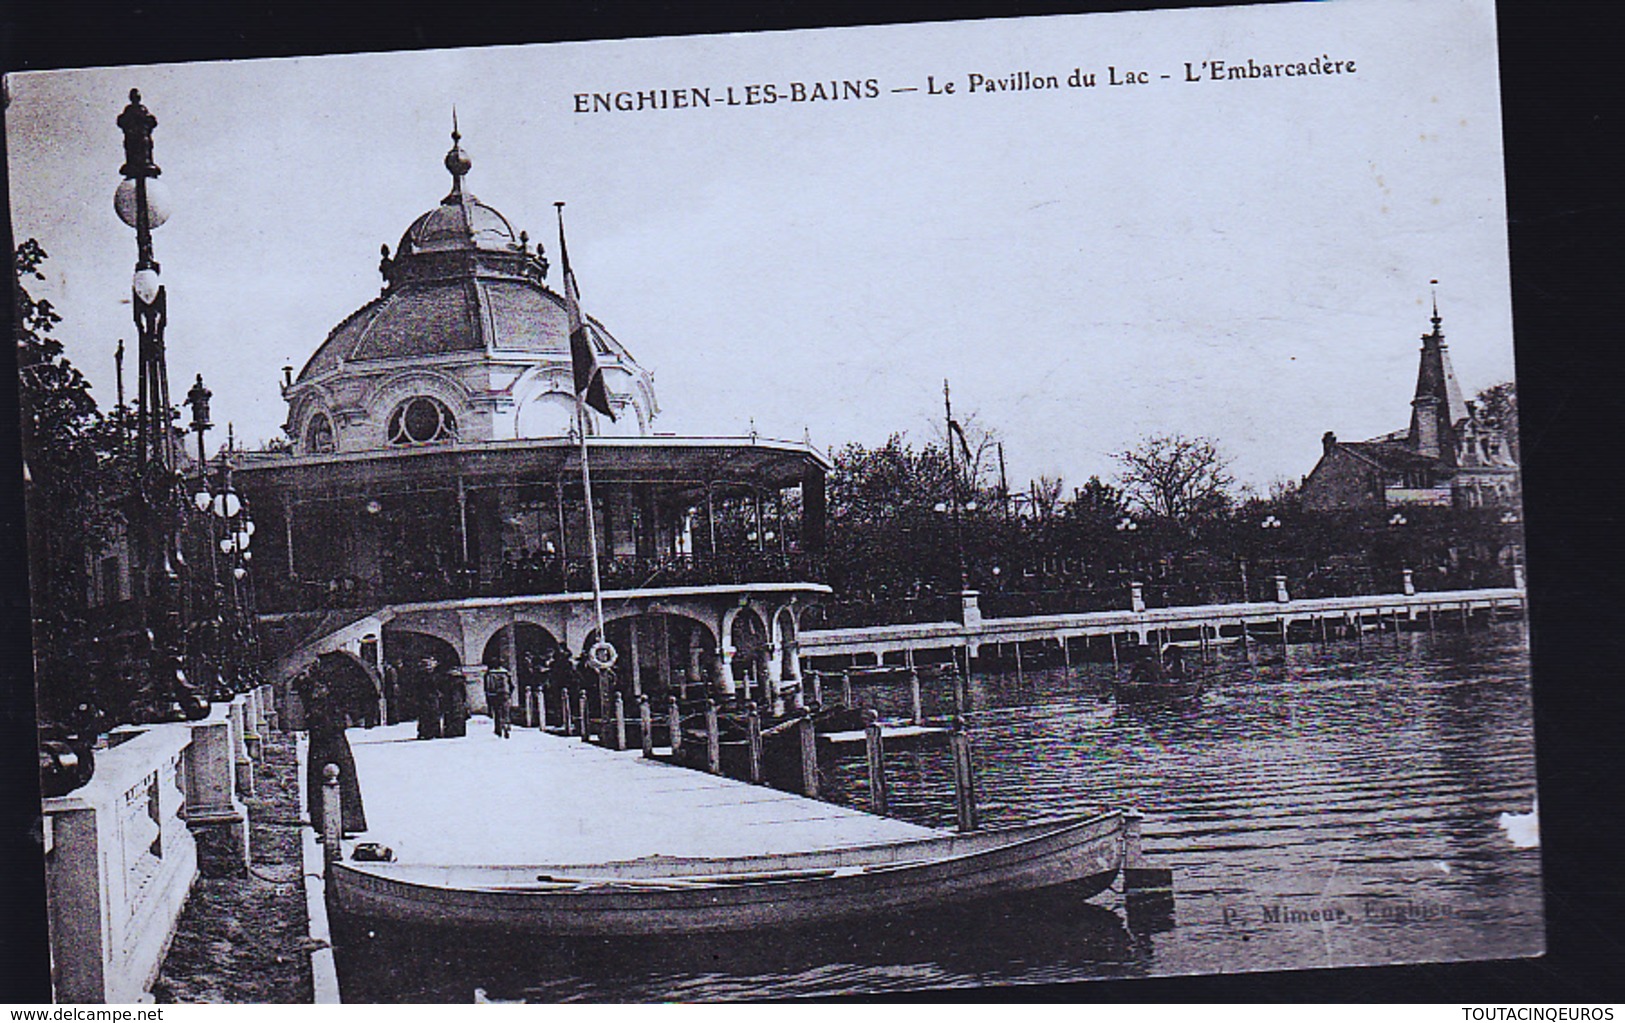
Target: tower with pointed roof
1449 455
466 342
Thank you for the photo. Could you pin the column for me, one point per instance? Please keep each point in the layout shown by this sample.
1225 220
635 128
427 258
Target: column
632 652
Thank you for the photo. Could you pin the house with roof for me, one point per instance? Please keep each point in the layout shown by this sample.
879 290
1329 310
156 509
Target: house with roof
1449 456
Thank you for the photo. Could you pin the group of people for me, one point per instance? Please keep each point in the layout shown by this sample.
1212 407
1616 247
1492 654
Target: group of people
441 698
438 692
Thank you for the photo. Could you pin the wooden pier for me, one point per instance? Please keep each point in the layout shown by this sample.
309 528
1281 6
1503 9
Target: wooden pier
1200 624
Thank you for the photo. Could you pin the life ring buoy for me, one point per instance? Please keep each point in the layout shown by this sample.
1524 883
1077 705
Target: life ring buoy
602 655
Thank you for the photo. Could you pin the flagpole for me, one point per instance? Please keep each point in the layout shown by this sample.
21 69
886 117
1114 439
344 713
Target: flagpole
953 488
592 525
586 472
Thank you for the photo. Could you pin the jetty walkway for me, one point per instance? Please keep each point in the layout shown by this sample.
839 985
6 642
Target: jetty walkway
1200 623
543 798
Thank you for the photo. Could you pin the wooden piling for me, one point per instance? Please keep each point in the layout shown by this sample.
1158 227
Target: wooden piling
332 814
846 689
875 746
1323 641
964 778
1114 651
586 727
646 724
1066 654
565 712
753 735
818 688
535 708
713 741
918 714
620 721
674 722
808 733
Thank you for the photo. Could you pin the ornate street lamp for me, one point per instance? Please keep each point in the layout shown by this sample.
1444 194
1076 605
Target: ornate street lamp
165 693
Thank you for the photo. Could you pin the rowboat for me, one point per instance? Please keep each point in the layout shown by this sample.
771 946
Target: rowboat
666 895
1169 692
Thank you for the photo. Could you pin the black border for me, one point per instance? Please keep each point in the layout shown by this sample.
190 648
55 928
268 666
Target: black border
1561 103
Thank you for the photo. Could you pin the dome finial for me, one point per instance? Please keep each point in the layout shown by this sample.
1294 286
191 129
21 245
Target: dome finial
457 161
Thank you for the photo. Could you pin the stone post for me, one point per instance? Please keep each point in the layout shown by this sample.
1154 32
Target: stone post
332 814
1410 584
239 749
753 735
1281 595
713 740
214 815
1136 596
808 734
970 609
674 722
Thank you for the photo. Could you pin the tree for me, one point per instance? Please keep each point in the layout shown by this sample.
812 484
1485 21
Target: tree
1176 477
74 480
1498 408
1096 503
1046 496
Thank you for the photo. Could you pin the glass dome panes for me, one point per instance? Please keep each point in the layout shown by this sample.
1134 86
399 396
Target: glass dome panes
421 420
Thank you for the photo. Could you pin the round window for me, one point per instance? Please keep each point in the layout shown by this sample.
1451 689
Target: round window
421 420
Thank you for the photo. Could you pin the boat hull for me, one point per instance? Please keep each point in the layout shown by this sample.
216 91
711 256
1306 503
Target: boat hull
669 895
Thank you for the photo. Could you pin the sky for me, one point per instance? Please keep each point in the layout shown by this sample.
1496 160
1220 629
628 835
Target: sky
1247 260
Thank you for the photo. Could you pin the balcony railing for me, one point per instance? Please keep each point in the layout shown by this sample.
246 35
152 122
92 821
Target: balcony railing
401 585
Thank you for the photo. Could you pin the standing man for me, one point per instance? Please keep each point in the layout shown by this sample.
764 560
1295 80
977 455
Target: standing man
428 701
454 710
498 693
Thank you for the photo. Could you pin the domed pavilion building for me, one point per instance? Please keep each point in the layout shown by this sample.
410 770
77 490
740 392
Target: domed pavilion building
432 500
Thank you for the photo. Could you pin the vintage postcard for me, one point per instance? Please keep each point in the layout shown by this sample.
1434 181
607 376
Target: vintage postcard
788 514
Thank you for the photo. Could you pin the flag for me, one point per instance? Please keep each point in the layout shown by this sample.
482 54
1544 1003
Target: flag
589 376
954 429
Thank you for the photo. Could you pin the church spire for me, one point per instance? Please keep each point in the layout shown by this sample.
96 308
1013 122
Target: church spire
1439 407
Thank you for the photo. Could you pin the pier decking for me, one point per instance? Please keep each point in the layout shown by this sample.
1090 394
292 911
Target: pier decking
1213 620
541 798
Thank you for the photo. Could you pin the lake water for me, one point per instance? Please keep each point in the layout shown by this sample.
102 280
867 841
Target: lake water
1329 806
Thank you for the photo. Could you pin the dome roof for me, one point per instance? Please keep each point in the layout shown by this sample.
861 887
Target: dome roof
462 295
459 222
423 319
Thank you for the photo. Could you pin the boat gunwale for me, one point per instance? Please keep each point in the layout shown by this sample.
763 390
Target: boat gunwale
1037 831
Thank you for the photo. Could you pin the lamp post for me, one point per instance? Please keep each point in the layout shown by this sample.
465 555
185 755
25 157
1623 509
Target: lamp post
142 204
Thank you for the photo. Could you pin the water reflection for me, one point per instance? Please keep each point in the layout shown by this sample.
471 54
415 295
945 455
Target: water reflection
1325 805
1015 940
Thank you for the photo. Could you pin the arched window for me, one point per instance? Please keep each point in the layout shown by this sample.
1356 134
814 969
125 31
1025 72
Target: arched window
319 435
421 420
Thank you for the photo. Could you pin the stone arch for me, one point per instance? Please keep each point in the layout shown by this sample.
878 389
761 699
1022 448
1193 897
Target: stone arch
690 649
404 649
357 682
786 638
528 638
410 383
748 646
548 414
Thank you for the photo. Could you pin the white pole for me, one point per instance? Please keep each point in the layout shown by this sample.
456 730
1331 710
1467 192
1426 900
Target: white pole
592 525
